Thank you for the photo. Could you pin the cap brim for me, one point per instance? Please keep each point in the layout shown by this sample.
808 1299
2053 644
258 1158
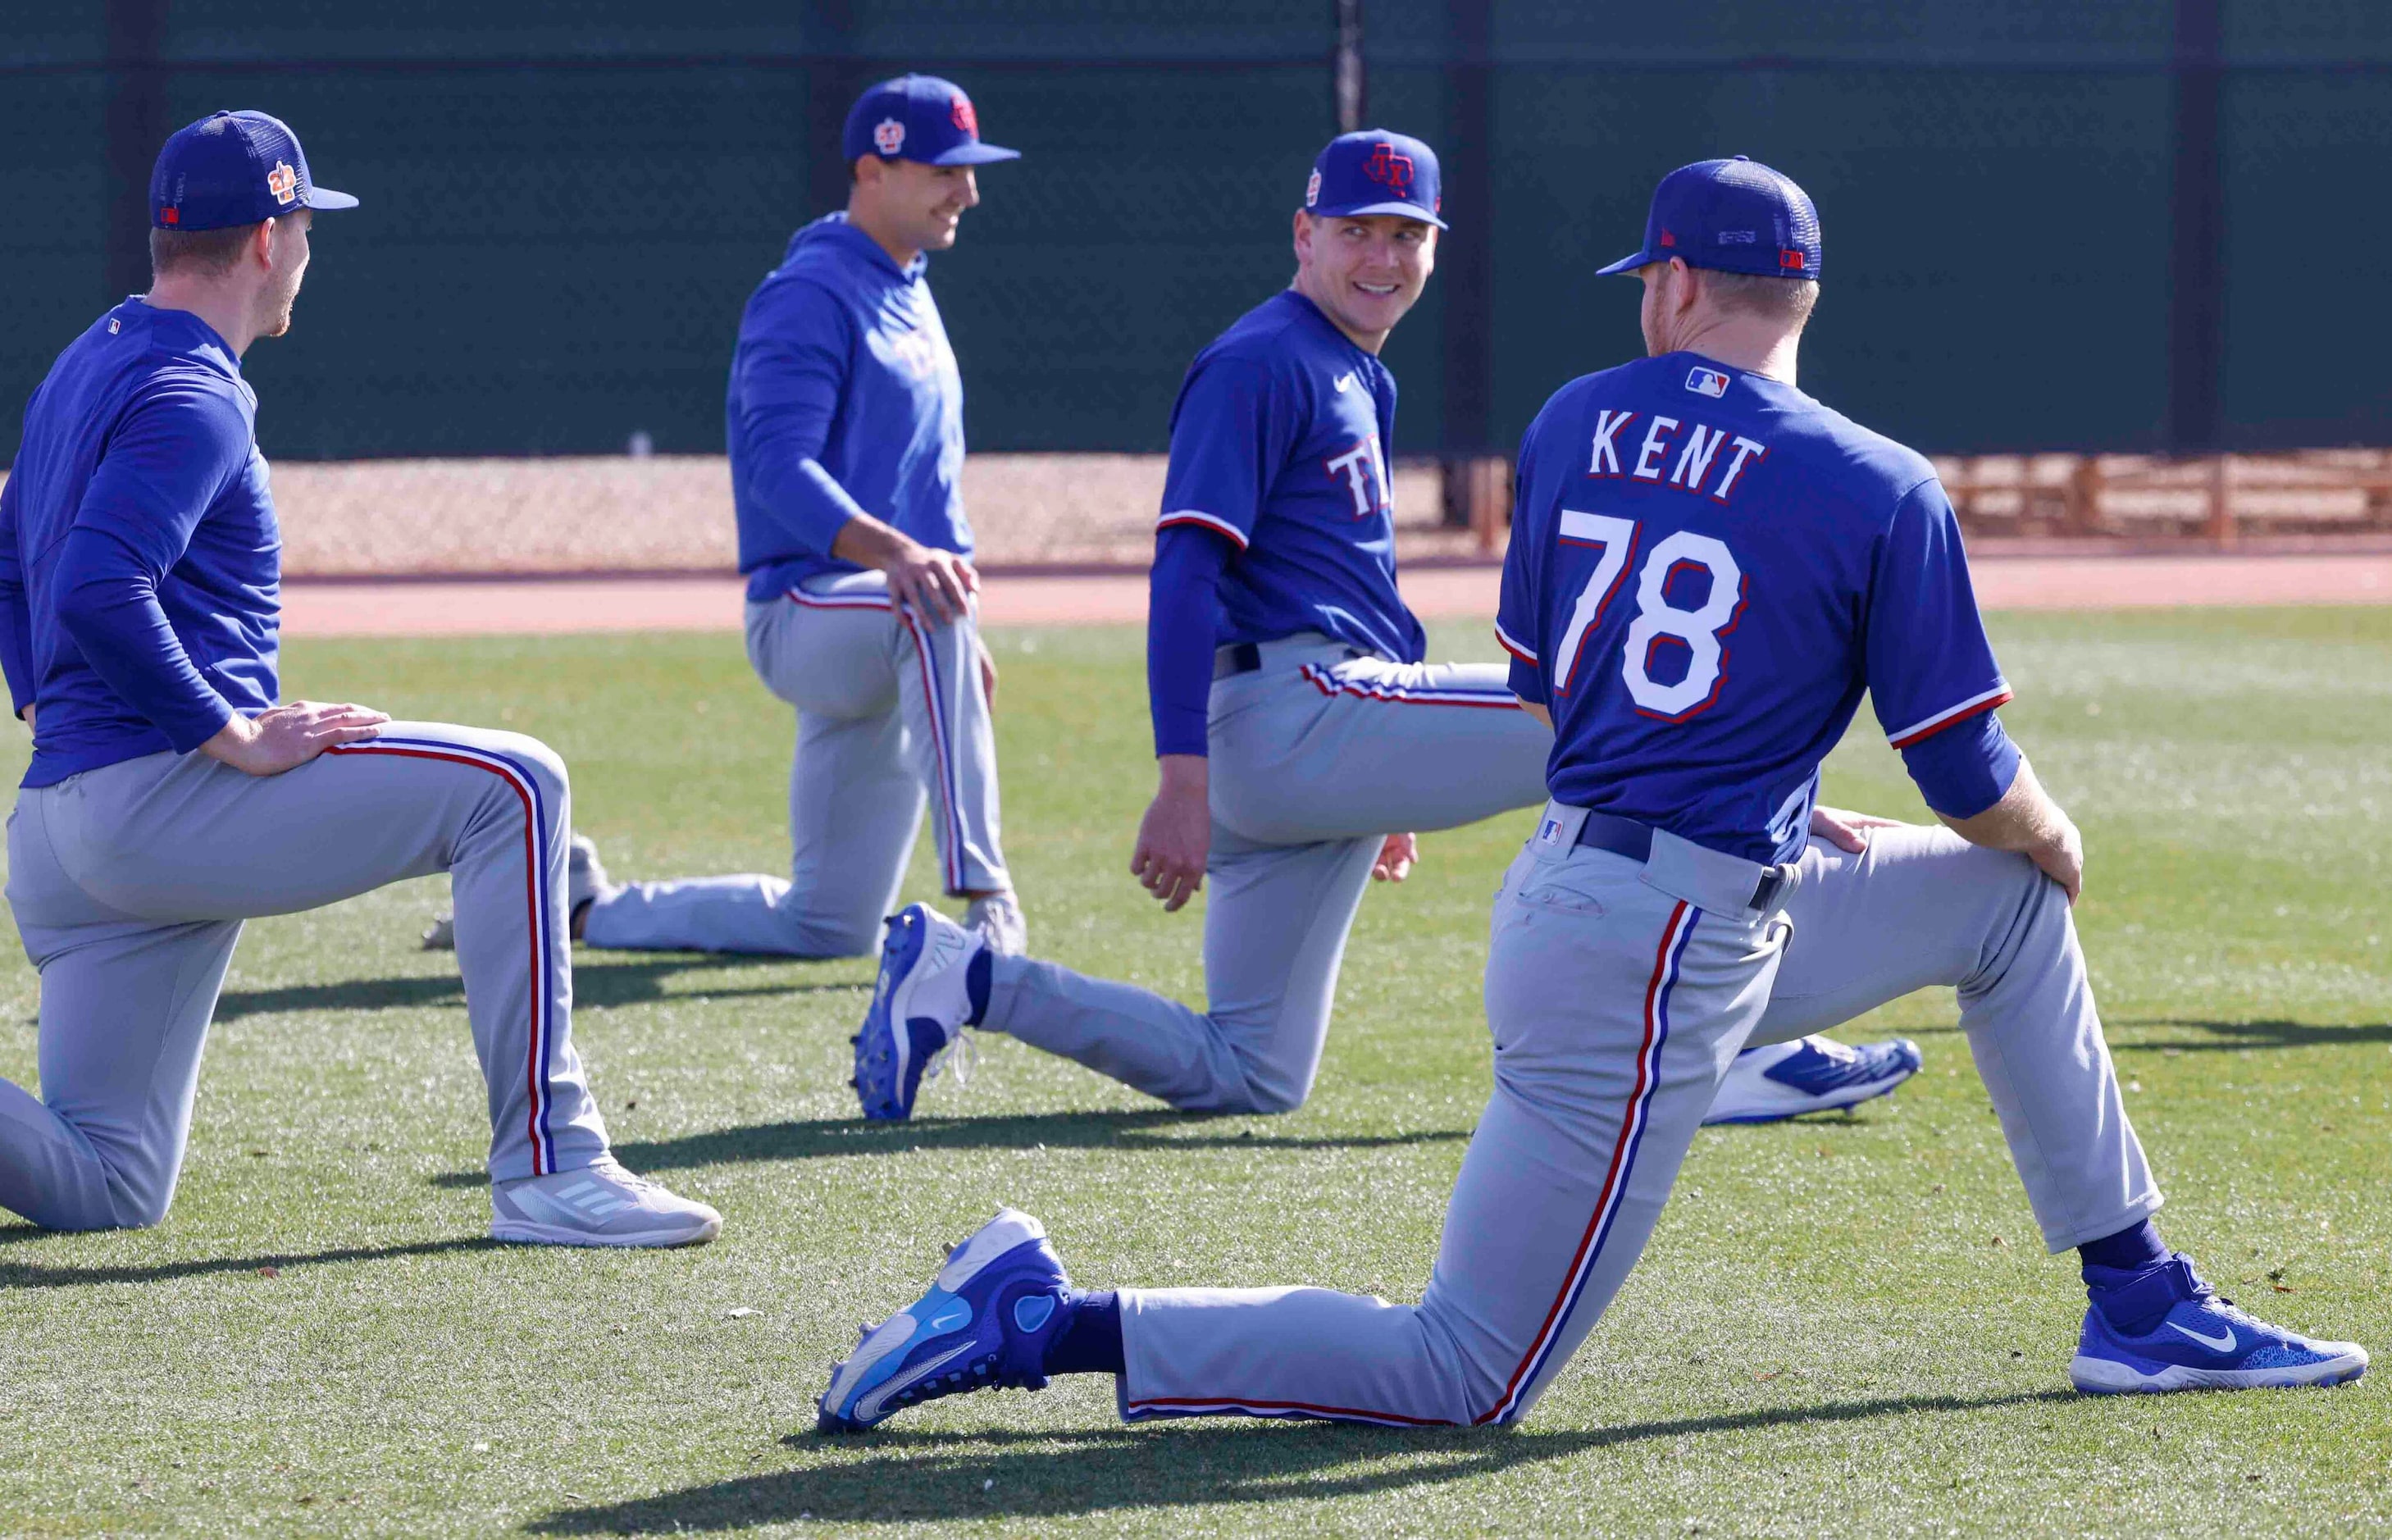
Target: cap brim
1402 211
325 198
976 154
1630 263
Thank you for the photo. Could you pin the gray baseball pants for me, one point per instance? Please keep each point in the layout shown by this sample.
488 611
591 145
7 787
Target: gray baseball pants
1315 757
1618 994
129 884
888 706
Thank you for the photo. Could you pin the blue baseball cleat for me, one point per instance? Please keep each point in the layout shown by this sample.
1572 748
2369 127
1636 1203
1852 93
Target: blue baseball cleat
1808 1074
984 1325
2203 1343
918 1007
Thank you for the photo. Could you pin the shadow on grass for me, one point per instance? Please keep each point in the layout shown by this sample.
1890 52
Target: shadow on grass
1144 1129
2241 1036
598 986
901 1478
35 1275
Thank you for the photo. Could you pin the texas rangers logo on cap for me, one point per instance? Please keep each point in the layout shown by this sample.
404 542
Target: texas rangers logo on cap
918 118
1386 165
1375 171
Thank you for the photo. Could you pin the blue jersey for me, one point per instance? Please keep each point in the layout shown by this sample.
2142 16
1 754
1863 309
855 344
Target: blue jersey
140 562
844 398
1706 569
1279 444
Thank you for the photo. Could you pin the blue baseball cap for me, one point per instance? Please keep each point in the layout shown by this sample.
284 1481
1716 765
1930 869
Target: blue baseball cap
1734 215
1375 172
918 118
233 168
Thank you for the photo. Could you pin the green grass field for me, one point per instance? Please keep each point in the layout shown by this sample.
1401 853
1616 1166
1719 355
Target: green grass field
1843 1325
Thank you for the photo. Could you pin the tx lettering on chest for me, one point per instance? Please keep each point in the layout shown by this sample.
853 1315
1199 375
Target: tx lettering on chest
1363 469
1701 453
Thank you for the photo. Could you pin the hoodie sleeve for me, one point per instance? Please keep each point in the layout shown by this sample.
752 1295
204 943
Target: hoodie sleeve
790 372
168 460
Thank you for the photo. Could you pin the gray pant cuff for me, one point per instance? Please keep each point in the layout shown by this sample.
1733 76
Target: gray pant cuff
2126 1218
1005 975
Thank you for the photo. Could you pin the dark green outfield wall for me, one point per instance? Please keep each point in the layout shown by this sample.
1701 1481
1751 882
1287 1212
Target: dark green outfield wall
2134 223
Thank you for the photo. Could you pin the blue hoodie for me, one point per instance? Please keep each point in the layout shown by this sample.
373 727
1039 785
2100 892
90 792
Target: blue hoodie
844 399
140 562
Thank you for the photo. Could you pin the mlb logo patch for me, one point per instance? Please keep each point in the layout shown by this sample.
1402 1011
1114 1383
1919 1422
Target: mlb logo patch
889 137
283 183
1551 834
1707 382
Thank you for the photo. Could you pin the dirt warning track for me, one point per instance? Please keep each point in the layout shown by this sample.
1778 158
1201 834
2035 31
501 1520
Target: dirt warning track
542 605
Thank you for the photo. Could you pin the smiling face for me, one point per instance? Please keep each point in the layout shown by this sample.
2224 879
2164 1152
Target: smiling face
916 206
1363 270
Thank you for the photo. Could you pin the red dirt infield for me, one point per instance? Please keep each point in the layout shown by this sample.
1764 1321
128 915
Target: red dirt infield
530 607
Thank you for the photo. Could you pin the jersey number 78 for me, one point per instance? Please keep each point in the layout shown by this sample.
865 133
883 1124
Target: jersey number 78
1700 629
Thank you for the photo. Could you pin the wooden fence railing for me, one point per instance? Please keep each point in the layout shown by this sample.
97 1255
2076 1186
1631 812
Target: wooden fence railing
2215 501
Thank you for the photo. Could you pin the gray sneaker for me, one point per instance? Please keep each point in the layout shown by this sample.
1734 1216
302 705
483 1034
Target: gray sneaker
600 1205
998 921
585 879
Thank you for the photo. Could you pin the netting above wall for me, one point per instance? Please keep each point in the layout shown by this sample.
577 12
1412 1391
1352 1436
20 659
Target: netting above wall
562 217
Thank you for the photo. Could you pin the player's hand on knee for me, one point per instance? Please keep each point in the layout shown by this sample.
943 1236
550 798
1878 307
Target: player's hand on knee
2062 856
288 735
936 585
1177 833
1395 858
1847 831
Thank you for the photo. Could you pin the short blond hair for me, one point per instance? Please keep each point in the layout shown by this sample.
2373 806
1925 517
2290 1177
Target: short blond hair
1789 300
197 250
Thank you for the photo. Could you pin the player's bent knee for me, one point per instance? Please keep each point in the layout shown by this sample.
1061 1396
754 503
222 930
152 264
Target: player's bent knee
1274 1099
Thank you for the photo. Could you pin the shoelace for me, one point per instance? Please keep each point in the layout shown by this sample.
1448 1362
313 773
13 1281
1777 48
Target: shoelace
961 1053
609 1166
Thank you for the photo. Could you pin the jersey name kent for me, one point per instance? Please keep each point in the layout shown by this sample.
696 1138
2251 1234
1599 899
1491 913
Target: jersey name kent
1708 569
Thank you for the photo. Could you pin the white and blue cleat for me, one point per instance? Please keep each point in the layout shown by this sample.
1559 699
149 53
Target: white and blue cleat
1765 1085
2205 1343
918 1006
984 1325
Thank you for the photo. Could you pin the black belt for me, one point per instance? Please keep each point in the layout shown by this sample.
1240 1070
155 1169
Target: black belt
1628 838
1246 657
1236 658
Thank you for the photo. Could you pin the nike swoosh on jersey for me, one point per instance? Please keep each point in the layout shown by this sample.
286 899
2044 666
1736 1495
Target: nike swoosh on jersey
1344 382
2219 1344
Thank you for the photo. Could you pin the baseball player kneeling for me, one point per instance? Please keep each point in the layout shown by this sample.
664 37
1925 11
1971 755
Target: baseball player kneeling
1640 936
1300 738
170 798
845 425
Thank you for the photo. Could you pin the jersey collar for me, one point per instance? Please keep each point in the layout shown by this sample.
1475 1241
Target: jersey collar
1328 328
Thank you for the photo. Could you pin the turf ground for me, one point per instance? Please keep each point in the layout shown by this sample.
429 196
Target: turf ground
1843 1325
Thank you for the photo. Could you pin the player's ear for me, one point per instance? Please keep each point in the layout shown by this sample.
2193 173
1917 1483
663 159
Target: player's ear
1303 237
